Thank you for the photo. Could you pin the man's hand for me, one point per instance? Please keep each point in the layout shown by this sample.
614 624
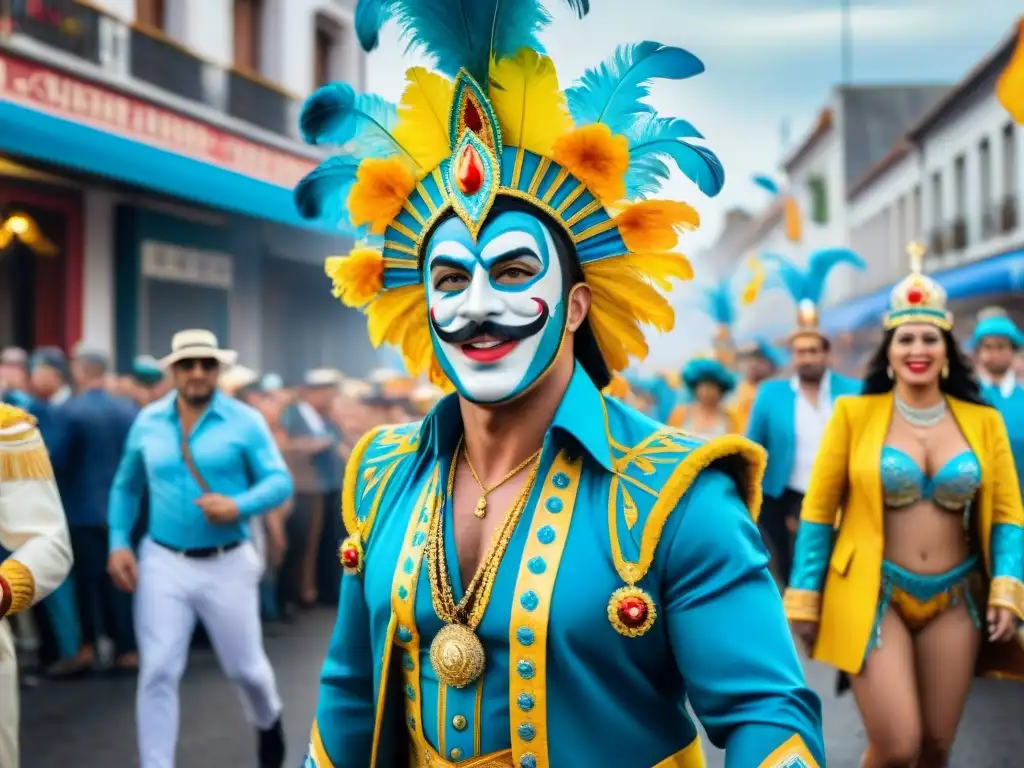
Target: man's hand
218 509
122 569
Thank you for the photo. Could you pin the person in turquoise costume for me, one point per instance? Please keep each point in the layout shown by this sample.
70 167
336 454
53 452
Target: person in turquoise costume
788 416
537 575
995 342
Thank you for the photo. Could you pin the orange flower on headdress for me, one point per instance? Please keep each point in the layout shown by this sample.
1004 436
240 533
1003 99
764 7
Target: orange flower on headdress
358 277
381 189
597 158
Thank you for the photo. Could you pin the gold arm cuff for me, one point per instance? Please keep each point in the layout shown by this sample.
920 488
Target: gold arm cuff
18 587
791 754
26 461
1007 592
802 605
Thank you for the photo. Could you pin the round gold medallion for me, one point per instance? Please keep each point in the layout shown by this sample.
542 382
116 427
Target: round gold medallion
631 611
457 656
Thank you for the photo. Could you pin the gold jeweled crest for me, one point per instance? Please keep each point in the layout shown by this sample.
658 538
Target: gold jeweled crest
917 298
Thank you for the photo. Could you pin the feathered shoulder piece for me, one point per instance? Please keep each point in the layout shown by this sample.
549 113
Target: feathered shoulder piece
806 285
492 122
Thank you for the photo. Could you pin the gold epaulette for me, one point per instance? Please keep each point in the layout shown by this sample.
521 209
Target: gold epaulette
23 454
11 416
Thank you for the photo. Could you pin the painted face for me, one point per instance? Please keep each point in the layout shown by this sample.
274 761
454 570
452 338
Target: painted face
497 308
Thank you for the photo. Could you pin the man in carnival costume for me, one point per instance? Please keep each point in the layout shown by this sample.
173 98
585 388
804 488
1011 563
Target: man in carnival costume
789 415
503 255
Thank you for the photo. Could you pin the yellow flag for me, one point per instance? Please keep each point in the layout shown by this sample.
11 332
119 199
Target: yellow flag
1010 86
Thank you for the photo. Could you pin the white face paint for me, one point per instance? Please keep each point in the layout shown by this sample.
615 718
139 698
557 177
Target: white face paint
496 306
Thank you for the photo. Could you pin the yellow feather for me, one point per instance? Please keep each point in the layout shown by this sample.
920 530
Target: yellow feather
659 267
654 225
597 158
753 287
399 317
356 278
530 105
422 127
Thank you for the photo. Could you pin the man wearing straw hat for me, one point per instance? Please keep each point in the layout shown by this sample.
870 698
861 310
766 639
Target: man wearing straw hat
210 465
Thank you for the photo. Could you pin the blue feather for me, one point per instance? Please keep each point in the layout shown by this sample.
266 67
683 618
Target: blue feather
323 194
612 93
716 301
371 15
336 115
766 184
822 262
653 140
783 274
464 34
809 283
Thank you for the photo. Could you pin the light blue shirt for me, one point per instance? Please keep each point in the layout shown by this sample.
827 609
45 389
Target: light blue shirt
234 452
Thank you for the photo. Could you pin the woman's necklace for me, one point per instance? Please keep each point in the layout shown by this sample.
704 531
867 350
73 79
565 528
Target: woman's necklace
456 653
921 417
481 505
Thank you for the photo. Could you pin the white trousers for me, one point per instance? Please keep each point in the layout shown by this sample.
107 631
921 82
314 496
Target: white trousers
174 591
9 711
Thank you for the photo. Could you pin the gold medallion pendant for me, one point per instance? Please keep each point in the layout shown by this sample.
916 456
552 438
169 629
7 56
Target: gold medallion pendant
457 656
481 508
631 611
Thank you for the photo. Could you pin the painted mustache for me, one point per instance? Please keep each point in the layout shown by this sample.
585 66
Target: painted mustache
494 330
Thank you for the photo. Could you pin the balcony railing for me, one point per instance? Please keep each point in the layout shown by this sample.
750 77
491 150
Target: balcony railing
937 242
1009 215
958 235
159 62
256 103
61 24
989 222
151 58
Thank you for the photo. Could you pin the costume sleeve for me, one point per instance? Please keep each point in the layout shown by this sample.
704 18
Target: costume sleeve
32 523
729 633
127 489
342 735
816 533
1006 542
272 482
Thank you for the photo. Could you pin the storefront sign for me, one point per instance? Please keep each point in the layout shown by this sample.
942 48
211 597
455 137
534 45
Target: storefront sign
37 87
176 263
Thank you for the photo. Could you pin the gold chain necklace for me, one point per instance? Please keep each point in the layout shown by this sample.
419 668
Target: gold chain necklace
456 653
481 505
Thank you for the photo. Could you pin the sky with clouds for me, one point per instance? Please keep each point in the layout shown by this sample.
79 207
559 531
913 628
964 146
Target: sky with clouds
769 62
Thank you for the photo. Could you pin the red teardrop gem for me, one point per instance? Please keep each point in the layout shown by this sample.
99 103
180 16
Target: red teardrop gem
632 612
471 116
469 171
915 296
350 557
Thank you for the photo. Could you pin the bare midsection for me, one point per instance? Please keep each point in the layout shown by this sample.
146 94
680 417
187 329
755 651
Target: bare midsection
925 539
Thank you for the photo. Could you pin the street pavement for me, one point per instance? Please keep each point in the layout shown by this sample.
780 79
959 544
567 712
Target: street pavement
90 723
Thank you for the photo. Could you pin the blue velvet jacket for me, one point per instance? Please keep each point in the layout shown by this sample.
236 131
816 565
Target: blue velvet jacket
617 493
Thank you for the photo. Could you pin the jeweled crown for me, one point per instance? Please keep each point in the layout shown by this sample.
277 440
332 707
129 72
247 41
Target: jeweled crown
917 298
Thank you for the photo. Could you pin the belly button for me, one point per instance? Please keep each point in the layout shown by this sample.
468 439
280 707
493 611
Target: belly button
924 557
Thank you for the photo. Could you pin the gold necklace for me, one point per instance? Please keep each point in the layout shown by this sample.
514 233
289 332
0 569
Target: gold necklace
481 505
456 653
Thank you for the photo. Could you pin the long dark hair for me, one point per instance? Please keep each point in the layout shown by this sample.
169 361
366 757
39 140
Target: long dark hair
960 383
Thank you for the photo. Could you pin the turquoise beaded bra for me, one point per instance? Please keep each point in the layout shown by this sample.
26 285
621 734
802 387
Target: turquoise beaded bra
952 487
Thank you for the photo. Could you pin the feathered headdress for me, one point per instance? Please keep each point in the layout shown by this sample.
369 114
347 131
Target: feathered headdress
790 209
493 123
806 285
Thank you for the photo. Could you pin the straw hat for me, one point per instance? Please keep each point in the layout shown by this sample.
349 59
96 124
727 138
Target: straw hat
236 378
198 344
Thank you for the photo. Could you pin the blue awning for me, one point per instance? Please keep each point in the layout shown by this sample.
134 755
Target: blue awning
34 134
993 276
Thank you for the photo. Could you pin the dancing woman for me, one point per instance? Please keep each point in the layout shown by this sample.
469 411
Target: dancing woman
923 567
707 382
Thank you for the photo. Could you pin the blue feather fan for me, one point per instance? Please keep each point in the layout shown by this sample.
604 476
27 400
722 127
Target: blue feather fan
808 284
335 115
653 140
460 34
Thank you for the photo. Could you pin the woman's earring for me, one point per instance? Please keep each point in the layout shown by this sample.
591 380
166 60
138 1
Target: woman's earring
888 372
945 370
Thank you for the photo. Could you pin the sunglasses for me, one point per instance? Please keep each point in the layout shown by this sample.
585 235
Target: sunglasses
206 363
